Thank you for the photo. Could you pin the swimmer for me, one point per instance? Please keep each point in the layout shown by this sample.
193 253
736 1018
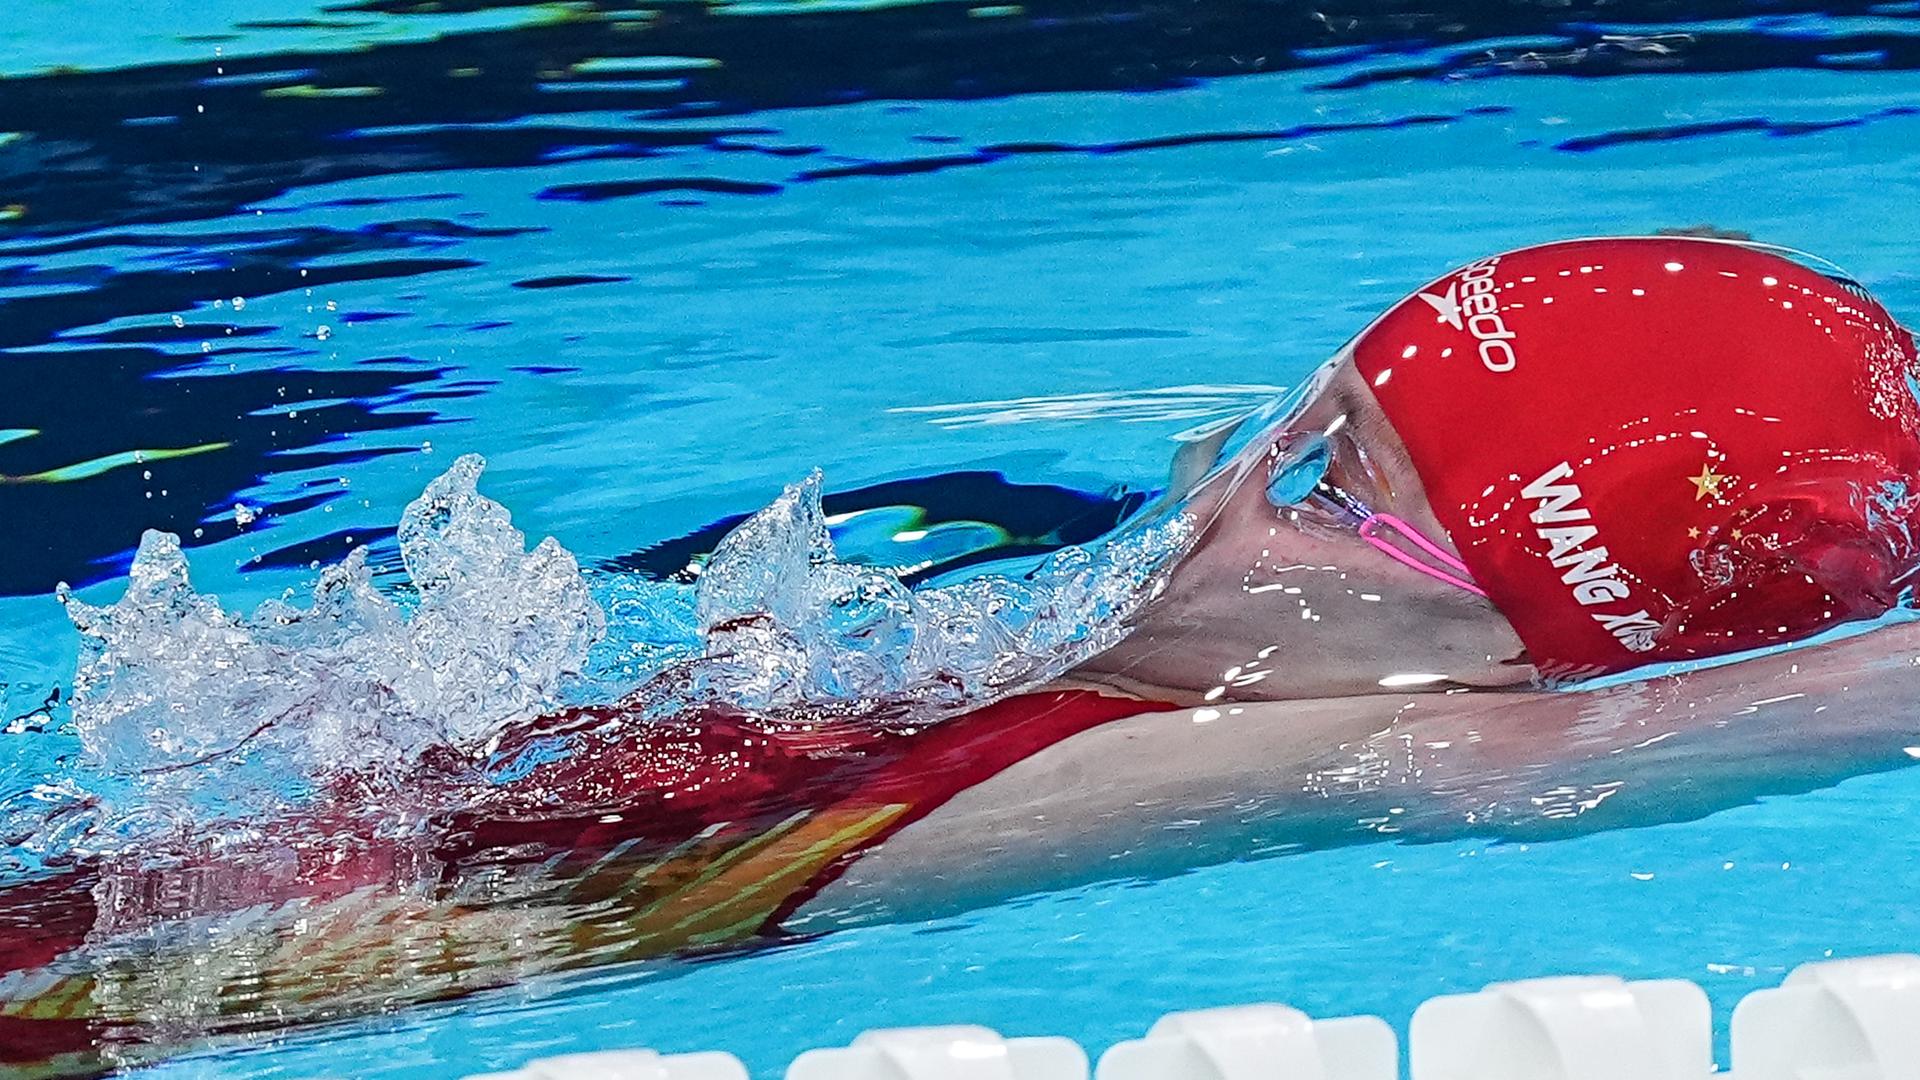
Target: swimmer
1554 465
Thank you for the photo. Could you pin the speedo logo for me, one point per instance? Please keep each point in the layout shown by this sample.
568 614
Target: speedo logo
1470 305
1565 525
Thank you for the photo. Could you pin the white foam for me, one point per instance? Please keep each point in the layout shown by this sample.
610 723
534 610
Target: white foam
189 712
201 705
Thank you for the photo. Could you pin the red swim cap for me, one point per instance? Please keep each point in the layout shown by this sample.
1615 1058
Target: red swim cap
1658 449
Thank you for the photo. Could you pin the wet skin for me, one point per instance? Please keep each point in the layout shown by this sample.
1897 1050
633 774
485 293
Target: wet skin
1011 809
1289 603
1308 773
624 839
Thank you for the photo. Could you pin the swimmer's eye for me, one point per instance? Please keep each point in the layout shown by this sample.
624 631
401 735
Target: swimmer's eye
1299 471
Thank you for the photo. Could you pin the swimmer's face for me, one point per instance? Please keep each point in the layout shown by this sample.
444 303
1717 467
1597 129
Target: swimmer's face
1283 594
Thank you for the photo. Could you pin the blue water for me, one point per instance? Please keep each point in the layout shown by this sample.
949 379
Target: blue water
791 295
1372 929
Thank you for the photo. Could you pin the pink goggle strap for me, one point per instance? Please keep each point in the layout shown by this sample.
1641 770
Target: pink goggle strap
1370 532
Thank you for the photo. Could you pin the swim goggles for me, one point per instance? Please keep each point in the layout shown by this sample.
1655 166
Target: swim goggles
1301 475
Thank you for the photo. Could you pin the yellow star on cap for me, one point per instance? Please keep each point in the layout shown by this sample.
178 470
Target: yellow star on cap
1707 483
1693 532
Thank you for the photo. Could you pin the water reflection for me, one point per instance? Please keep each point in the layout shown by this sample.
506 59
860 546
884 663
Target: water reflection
98 167
114 416
122 414
91 149
925 526
745 836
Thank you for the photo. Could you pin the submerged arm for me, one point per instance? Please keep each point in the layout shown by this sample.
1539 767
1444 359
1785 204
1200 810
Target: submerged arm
1160 793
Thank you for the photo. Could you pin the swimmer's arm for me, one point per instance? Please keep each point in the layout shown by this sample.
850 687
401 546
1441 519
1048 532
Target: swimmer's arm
1165 791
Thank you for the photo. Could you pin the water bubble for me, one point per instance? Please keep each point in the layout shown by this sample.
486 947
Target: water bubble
244 515
324 332
239 303
179 321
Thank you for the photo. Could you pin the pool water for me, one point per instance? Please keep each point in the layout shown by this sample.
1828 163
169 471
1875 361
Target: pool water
655 263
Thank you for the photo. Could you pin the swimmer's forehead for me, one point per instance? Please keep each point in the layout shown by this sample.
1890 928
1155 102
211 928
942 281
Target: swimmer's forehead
1332 394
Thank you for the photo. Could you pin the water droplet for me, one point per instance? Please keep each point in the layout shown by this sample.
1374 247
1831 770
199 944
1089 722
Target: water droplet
323 333
243 515
239 303
179 321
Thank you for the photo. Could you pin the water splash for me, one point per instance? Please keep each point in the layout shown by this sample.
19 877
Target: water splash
201 706
787 626
189 713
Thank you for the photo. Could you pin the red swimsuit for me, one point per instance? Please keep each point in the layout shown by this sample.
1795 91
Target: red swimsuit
611 842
